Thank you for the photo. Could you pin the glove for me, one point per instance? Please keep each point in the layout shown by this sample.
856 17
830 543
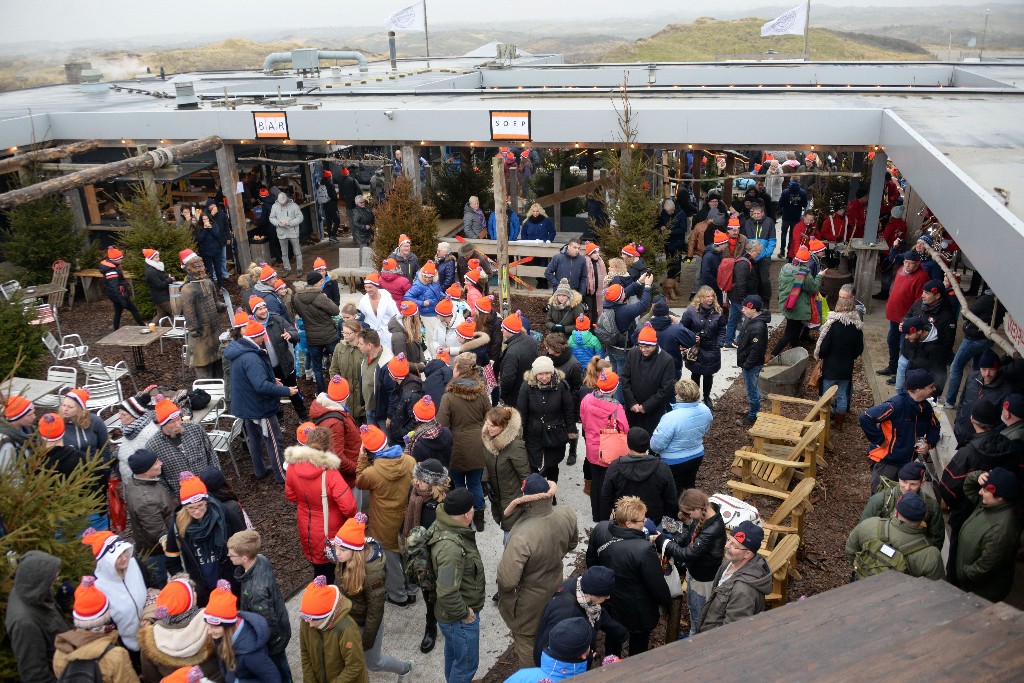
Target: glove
487 489
558 328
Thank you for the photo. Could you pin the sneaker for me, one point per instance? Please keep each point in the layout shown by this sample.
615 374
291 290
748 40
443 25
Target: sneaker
333 240
287 273
731 345
745 421
407 676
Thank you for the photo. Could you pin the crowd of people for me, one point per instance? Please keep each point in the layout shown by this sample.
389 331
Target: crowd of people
429 404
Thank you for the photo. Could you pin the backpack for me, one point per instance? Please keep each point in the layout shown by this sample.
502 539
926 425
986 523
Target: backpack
85 670
321 195
877 556
725 272
607 331
415 550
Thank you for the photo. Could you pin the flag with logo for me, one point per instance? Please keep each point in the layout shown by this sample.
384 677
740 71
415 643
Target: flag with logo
793 22
407 19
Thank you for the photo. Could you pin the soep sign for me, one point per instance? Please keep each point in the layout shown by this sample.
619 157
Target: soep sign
270 124
510 125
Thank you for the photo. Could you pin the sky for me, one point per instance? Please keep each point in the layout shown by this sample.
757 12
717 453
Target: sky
73 20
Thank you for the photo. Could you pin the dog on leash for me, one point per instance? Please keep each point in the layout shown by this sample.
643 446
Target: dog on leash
671 288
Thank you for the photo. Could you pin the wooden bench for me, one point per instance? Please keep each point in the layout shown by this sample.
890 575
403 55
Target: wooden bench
353 266
788 518
776 469
782 563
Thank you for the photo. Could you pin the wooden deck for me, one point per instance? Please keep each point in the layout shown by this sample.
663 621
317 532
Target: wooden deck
890 626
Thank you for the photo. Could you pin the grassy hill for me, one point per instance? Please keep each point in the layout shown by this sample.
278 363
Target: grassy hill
705 38
230 54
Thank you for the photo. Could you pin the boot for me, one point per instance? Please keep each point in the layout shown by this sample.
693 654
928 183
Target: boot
571 460
429 638
586 486
837 424
478 519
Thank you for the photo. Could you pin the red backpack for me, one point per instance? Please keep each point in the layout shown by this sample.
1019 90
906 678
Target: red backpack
725 272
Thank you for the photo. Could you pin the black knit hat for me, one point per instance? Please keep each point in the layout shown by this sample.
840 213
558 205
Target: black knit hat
986 413
430 471
141 461
458 502
911 507
570 639
638 440
598 580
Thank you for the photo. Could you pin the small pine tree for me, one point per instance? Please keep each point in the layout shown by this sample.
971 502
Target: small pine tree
543 182
452 186
404 214
18 334
40 233
149 230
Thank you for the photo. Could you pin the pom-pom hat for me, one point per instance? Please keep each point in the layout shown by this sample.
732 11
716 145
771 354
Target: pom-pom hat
466 329
607 382
99 541
189 674
80 396
51 427
222 607
17 407
253 330
398 367
338 389
186 256
404 239
319 264
255 302
444 308
240 319
148 254
424 409
318 600
485 304
613 292
302 432
454 291
267 273
473 275
408 308
648 336
429 269
166 410
374 440
582 323
177 597
372 279
630 250
803 255
114 254
191 488
513 323
352 534
90 602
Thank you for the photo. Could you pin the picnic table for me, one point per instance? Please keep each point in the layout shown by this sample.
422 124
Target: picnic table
39 291
32 389
137 338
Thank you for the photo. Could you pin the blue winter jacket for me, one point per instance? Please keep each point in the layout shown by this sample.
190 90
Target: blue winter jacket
252 663
762 231
679 435
254 393
573 269
893 427
513 226
626 314
273 301
420 292
550 669
447 270
543 229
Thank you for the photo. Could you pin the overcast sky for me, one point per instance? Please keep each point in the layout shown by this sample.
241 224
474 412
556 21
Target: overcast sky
73 20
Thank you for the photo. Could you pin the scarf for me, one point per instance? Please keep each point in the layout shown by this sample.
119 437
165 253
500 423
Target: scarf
208 539
159 265
798 285
427 430
593 612
846 318
414 512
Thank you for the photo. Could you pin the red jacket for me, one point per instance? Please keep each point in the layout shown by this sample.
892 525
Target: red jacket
906 289
345 441
798 237
836 228
396 285
857 214
895 229
307 468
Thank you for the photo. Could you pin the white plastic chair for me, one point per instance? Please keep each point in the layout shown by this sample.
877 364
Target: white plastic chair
215 388
95 370
66 348
103 395
68 377
115 430
9 288
223 438
179 330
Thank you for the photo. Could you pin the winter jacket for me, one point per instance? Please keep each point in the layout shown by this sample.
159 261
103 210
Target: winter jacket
194 453
672 338
388 480
762 231
596 272
158 281
378 320
127 594
345 361
679 436
438 446
426 295
549 416
753 342
333 654
167 646
709 265
896 533
396 285
537 228
584 346
114 663
437 376
275 304
811 284
571 268
473 222
150 511
644 476
345 440
792 202
208 240
675 225
548 669
447 271
205 560
459 569
739 597
463 408
115 286
570 367
595 415
412 348
362 225
906 288
987 546
708 324
936 349
517 358
983 452
564 605
199 307
309 472
894 426
317 313
531 565
348 190
563 318
254 392
840 343
650 382
252 663
883 502
511 220
260 594
368 603
408 265
443 335
744 279
640 588
401 401
91 440
287 219
626 314
982 307
698 550
33 619
276 326
975 389
506 467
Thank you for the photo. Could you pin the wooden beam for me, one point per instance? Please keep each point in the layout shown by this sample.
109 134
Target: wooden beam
411 169
558 204
501 230
572 192
21 160
227 167
158 158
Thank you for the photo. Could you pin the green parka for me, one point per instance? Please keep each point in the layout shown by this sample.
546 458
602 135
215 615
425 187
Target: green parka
368 604
506 466
987 546
458 567
926 562
334 654
810 287
883 502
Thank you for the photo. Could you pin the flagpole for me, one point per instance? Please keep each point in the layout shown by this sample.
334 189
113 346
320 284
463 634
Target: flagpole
807 29
426 34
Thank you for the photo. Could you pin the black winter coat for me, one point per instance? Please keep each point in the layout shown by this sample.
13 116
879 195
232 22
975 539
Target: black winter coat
261 595
564 606
640 588
743 282
650 382
400 412
517 358
438 374
709 325
158 280
701 556
548 417
573 371
439 448
646 477
753 342
940 315
985 451
276 326
840 347
671 336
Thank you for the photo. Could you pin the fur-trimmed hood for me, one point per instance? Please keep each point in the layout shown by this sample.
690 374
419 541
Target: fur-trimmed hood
531 378
329 405
467 388
834 317
176 647
575 299
543 499
513 430
324 460
479 339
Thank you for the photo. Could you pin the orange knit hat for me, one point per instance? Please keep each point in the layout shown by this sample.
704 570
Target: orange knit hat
352 534
191 488
803 255
149 253
338 389
186 674
303 430
444 355
513 323
429 269
402 239
398 367
582 323
734 222
223 605
485 304
454 291
166 410
474 275
279 284
390 265
424 409
267 272
318 600
466 329
444 307
374 440
18 407
175 598
255 302
613 293
90 602
408 308
630 250
253 330
114 254
473 264
99 541
80 396
720 238
319 263
591 248
372 279
240 319
648 336
51 427
607 382
815 246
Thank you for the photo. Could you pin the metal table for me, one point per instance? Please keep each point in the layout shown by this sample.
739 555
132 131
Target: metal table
32 389
136 338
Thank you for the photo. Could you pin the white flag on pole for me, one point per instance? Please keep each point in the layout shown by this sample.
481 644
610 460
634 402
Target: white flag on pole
407 19
793 22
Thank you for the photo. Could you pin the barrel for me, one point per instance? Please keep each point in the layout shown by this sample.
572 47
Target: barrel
175 302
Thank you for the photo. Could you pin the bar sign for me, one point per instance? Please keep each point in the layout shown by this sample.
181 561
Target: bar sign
510 125
270 124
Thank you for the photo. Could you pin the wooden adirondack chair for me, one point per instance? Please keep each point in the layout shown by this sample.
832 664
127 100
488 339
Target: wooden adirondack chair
788 518
775 428
782 563
776 469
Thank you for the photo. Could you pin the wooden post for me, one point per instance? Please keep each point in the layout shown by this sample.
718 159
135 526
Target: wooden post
147 177
558 206
730 161
501 229
64 152
513 191
913 205
857 167
590 165
228 171
666 185
411 169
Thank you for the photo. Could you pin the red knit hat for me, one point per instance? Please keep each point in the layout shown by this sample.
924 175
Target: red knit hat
80 396
582 323
803 255
328 174
191 488
485 304
338 389
474 275
149 253
630 250
18 407
240 319
318 600
222 607
114 254
187 255
166 410
99 541
175 598
424 409
591 248
398 367
734 222
372 279
429 269
352 534
721 238
267 273
607 382
390 265
613 293
408 308
402 239
319 263
513 323
444 307
303 430
264 192
253 330
466 329
647 336
51 427
454 291
255 301
444 355
374 440
90 602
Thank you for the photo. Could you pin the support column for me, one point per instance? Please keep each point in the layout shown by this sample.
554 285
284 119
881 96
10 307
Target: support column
228 170
875 191
913 205
558 206
864 274
148 179
857 167
74 199
501 232
411 169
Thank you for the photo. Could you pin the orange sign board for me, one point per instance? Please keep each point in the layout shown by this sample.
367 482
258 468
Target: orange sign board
510 125
270 124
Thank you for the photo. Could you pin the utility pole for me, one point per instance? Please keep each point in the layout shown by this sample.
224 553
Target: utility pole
501 230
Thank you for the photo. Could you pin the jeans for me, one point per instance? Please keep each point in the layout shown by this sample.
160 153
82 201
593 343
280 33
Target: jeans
618 363
296 249
273 441
461 650
970 350
280 661
395 584
378 661
901 372
842 394
222 265
211 263
753 393
695 602
883 469
120 306
316 361
735 313
893 341
470 480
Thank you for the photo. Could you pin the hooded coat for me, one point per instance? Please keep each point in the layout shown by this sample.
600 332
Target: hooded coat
260 594
408 265
127 595
811 284
317 313
709 325
740 597
345 440
286 218
204 558
473 222
463 409
506 468
388 479
456 561
167 646
597 414
644 476
516 359
115 664
401 400
975 389
255 392
549 416
302 486
987 546
437 375
564 605
983 452
425 294
33 619
150 511
412 348
563 318
840 343
531 565
396 285
333 654
565 267
368 603
199 307
479 346
345 361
